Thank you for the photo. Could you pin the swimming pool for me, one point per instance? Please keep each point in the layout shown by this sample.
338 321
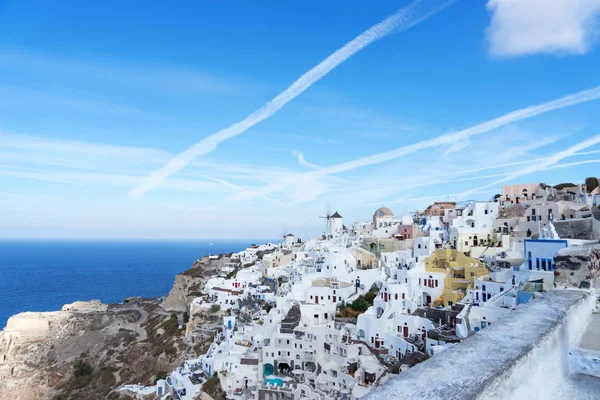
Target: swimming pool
274 381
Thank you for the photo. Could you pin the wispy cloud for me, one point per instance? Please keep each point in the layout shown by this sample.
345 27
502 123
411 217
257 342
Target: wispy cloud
315 139
21 142
239 188
409 16
302 161
165 79
541 165
448 139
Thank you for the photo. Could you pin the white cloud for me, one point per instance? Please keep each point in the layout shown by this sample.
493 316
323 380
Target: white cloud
520 27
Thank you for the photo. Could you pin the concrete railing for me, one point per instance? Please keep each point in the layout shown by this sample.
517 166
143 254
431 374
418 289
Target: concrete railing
522 356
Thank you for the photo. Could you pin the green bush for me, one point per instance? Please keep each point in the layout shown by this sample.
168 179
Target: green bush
160 375
360 304
82 368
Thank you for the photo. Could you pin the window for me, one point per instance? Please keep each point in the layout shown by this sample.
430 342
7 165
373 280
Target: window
472 274
419 246
279 353
436 283
279 341
288 341
483 287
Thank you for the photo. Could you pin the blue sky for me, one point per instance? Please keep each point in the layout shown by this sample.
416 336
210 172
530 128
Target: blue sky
94 98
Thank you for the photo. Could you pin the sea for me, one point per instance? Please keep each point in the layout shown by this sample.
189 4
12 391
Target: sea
43 275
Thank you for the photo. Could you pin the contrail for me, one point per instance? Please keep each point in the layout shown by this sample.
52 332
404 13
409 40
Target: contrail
546 164
407 17
446 139
302 161
465 134
241 189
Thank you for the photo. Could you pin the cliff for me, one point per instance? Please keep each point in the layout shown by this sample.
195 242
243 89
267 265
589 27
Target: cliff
89 349
575 228
190 284
577 266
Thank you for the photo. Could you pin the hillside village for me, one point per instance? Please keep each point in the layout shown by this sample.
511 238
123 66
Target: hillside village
338 316
335 316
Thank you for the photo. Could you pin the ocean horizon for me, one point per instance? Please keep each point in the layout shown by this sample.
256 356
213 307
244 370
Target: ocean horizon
44 274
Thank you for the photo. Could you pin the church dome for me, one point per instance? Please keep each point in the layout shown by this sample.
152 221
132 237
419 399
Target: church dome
383 212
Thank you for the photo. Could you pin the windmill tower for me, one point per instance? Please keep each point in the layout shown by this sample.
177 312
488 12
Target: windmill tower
327 218
287 239
336 225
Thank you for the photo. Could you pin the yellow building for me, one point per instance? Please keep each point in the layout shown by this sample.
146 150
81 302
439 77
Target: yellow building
461 271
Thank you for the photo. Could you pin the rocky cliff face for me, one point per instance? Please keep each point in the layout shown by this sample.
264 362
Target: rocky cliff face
86 351
89 349
190 284
575 229
577 266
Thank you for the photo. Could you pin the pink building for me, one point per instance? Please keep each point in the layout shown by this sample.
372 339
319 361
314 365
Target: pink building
406 231
517 193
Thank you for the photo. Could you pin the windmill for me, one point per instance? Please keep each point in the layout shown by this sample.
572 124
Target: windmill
327 217
283 235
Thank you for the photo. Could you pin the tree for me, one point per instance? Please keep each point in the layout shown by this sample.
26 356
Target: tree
561 186
497 196
591 183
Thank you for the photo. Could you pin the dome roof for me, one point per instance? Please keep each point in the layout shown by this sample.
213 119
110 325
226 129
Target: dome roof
383 212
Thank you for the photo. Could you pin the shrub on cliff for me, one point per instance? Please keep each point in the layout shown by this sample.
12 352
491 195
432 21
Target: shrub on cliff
360 304
82 368
215 308
170 326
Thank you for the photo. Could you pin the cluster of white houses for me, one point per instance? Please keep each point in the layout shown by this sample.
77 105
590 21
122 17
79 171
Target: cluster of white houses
427 281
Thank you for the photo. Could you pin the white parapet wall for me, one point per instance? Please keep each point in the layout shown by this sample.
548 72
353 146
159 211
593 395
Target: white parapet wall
525 355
